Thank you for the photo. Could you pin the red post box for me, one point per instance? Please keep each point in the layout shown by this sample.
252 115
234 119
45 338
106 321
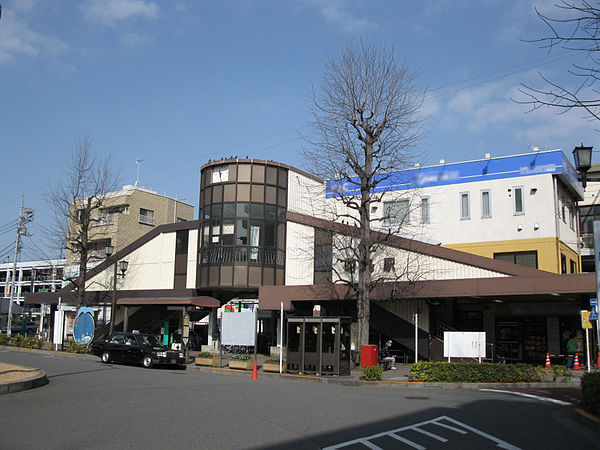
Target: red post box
369 355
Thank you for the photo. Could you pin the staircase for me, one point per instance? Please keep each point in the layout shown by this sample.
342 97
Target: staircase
399 329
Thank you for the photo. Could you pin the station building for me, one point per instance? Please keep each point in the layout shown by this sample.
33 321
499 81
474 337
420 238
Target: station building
487 245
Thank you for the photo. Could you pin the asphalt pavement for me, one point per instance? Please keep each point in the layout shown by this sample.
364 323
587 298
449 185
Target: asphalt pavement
87 404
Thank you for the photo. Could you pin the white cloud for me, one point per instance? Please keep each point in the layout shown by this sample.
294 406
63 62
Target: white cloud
488 110
334 11
135 39
109 12
18 39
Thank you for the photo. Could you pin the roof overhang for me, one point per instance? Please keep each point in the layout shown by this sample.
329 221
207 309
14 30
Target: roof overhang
547 287
207 302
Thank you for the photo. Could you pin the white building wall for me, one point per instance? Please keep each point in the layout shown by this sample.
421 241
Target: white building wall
305 195
152 266
299 254
192 263
445 225
408 266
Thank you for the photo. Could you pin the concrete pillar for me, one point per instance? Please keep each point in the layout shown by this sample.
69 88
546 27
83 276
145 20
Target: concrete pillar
213 330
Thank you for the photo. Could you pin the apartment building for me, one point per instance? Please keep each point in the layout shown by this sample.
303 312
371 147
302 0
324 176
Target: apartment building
32 276
127 215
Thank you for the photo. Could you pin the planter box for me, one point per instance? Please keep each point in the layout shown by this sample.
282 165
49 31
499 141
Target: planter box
245 364
207 361
272 367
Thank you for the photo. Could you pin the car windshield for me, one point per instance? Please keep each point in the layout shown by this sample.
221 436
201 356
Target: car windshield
148 339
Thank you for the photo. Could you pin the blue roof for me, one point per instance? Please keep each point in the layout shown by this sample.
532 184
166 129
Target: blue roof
546 162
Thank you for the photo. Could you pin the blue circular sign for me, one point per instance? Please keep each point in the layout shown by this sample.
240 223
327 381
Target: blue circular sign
83 327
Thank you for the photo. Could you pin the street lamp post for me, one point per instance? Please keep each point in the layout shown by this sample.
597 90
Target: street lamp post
123 267
583 161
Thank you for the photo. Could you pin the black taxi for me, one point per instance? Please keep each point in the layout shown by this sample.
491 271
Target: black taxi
136 348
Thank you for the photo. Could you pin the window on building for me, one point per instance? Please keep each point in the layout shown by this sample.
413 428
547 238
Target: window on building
573 266
486 204
563 263
425 210
571 217
181 242
396 212
563 205
220 174
146 216
388 264
518 200
323 258
465 206
528 259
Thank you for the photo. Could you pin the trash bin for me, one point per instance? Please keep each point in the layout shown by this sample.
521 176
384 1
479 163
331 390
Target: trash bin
369 355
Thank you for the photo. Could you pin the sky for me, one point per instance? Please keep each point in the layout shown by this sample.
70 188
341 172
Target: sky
176 83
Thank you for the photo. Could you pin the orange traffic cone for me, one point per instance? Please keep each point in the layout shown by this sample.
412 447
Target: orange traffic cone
576 365
254 372
548 360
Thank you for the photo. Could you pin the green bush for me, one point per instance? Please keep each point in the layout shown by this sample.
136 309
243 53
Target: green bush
74 347
371 373
205 355
472 372
4 339
273 361
32 342
242 357
590 393
17 340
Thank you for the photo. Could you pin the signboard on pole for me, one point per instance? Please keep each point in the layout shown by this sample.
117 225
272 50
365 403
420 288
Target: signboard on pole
238 328
83 327
464 344
594 313
585 320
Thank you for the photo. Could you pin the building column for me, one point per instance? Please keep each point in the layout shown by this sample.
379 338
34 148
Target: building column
213 329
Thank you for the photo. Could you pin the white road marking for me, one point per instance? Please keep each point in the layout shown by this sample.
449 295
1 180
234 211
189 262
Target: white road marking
536 397
395 434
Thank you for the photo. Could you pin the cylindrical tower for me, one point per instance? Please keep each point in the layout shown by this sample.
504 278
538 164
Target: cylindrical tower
242 224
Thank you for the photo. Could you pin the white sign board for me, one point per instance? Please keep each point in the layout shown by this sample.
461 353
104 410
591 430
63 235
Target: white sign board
59 320
464 344
238 328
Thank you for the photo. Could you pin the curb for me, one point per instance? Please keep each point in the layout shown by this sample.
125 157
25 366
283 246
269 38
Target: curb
24 384
349 381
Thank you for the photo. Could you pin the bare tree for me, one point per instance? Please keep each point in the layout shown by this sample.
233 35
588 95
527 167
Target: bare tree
366 121
577 31
76 202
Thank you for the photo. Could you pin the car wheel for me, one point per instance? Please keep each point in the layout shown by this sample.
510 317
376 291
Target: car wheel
147 361
105 357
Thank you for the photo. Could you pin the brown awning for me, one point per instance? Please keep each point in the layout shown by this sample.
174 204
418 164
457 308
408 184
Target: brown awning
209 302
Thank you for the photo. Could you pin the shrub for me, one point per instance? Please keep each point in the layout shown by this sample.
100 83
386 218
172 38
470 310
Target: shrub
74 347
17 340
590 393
32 342
371 373
242 357
4 339
472 372
273 361
205 355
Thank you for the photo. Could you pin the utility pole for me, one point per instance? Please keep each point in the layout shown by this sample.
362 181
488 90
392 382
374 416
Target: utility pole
25 215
